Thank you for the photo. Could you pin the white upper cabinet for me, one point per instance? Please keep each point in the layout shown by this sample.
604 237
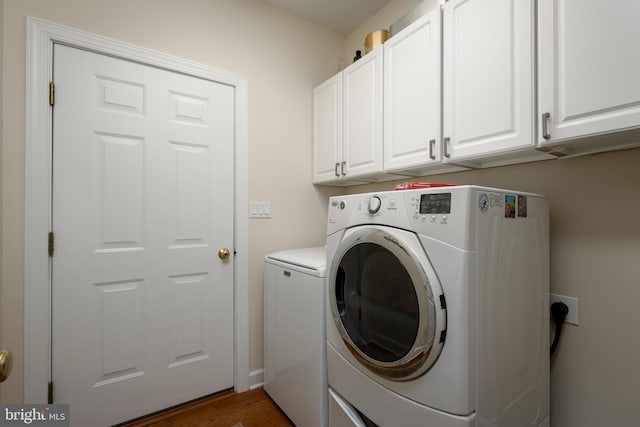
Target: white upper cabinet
589 74
412 120
488 81
362 135
327 130
460 90
347 124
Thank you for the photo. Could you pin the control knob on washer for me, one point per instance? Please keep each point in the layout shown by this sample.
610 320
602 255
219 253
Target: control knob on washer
374 204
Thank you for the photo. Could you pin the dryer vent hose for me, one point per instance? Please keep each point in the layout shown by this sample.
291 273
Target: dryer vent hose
559 311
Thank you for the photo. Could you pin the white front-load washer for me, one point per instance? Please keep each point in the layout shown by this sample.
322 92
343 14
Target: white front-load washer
437 308
295 365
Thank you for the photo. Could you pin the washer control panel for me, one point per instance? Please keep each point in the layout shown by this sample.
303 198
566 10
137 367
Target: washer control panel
446 214
431 207
435 203
374 204
435 212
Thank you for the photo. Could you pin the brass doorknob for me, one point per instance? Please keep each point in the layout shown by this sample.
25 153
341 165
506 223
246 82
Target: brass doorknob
224 253
5 364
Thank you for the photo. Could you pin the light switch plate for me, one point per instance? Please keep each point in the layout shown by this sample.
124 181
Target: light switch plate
259 209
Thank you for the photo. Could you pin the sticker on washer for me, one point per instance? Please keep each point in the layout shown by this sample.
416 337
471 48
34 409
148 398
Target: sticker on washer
484 202
509 206
522 206
496 200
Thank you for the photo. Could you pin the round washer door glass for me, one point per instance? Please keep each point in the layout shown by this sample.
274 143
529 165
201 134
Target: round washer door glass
386 302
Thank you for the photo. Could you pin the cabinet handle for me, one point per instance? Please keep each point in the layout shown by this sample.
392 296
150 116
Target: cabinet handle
336 170
342 168
446 147
432 144
545 125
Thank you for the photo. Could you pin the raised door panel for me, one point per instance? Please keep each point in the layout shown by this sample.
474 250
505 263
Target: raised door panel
363 115
412 60
120 194
589 59
488 77
327 130
121 332
187 327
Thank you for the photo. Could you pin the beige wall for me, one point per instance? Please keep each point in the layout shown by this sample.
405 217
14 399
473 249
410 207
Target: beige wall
595 257
283 56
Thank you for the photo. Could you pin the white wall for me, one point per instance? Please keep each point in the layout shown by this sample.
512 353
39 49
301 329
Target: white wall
283 56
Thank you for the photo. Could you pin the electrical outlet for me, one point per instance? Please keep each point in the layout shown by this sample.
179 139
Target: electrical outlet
572 304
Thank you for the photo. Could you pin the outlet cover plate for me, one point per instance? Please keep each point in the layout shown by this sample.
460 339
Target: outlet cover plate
572 303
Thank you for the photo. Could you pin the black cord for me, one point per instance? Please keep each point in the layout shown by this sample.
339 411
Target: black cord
559 311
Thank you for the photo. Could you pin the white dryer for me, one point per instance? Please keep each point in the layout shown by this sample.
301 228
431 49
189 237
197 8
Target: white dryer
295 365
437 308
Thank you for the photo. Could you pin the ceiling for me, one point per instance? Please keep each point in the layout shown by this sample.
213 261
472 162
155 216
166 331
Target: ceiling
342 16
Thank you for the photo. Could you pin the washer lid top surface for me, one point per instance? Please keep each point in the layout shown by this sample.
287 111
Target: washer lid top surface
307 260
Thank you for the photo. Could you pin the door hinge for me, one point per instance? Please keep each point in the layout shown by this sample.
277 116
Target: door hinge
52 93
51 242
50 393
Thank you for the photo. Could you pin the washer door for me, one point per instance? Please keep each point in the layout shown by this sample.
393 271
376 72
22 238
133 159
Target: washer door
387 302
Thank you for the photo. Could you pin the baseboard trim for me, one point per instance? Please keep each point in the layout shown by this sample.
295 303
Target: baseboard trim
256 379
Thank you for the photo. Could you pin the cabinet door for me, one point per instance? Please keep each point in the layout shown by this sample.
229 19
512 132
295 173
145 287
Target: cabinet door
488 77
589 59
412 135
327 130
363 115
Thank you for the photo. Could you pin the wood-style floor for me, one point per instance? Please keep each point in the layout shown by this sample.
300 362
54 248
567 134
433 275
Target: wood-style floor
226 409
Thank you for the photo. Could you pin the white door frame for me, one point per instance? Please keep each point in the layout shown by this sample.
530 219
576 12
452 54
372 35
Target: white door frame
41 35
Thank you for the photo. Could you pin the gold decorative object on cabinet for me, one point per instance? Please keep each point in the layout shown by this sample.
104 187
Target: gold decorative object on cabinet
375 39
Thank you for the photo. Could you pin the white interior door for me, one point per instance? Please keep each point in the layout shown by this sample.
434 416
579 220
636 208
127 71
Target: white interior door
142 314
